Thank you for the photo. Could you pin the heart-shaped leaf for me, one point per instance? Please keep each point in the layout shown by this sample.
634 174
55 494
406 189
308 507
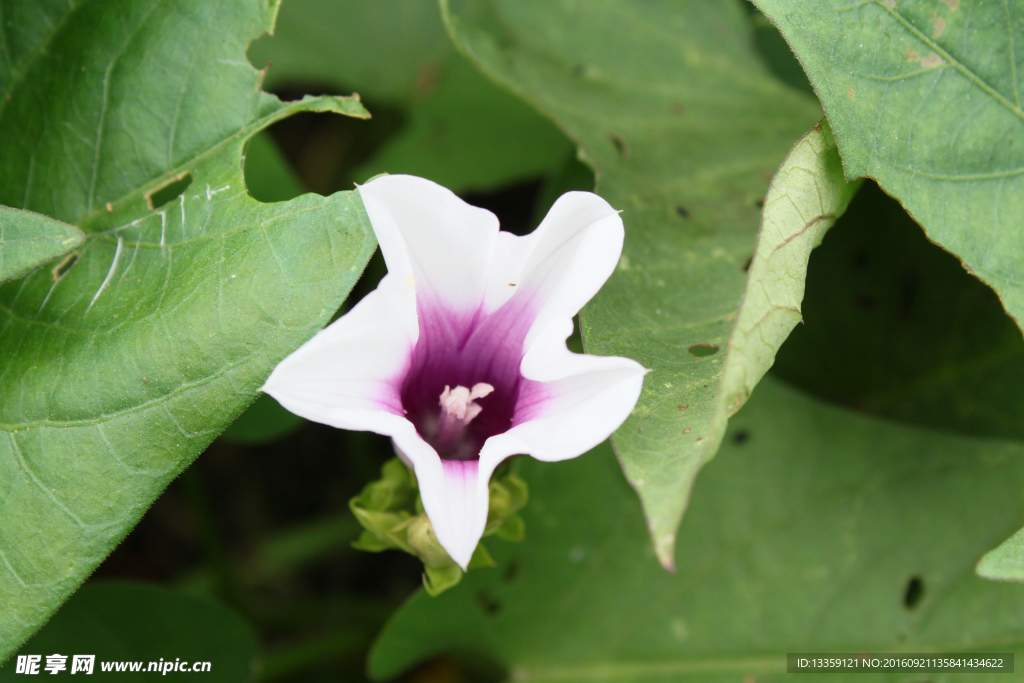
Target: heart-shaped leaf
128 119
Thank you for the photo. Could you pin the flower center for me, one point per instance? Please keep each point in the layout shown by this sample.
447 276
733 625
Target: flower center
458 408
459 404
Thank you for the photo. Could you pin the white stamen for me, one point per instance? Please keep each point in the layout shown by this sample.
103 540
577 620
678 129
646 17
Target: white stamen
459 402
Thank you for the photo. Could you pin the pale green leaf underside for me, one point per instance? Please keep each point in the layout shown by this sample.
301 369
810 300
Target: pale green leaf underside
684 127
806 197
789 545
119 373
1006 562
28 240
925 97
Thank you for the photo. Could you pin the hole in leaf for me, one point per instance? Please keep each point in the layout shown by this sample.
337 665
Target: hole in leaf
759 203
914 592
620 144
511 572
64 266
488 603
741 436
703 350
326 152
683 211
168 191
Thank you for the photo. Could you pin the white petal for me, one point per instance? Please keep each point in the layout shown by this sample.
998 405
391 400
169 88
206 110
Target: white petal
455 495
585 399
560 267
431 236
563 263
348 375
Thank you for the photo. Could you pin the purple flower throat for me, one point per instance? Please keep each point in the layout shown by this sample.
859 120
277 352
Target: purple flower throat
463 383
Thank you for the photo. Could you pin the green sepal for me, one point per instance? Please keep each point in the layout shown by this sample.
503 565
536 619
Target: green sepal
393 491
512 529
391 513
437 580
481 558
508 495
424 544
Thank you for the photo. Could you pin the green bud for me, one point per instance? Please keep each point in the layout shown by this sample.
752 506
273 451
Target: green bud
391 513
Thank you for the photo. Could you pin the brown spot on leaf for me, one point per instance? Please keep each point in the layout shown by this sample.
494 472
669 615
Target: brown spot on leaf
684 407
940 26
932 60
851 93
687 430
912 56
953 4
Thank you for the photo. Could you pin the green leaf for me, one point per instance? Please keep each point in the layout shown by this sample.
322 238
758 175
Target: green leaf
462 131
684 126
1006 562
28 240
790 545
806 197
925 98
385 50
128 622
894 326
120 373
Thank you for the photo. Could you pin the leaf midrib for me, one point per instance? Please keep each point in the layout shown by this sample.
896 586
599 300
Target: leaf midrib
955 63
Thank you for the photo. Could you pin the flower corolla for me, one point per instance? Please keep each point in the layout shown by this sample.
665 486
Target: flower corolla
459 355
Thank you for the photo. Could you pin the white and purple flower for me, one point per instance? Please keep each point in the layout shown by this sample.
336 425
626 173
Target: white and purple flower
459 355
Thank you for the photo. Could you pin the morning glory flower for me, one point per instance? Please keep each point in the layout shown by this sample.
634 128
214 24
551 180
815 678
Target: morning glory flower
459 355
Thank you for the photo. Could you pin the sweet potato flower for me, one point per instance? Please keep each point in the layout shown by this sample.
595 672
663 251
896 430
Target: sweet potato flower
459 355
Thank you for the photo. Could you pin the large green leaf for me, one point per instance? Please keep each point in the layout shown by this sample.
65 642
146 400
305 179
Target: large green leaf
122 623
684 127
816 529
462 131
925 98
120 372
28 240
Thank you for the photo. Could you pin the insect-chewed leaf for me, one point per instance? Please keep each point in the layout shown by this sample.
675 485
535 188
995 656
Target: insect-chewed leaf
119 369
28 240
